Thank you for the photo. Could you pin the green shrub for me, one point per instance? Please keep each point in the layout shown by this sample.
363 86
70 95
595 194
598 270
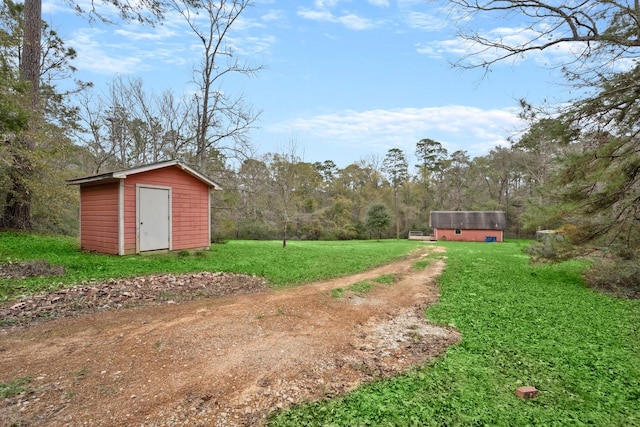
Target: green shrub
619 276
554 247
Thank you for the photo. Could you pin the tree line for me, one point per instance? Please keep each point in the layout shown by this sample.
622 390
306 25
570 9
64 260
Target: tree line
576 169
279 193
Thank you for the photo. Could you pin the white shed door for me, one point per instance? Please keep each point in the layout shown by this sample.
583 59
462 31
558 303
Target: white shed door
154 218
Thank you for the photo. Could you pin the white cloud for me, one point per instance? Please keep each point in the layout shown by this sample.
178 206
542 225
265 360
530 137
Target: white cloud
273 15
349 20
325 3
159 34
425 21
316 15
444 48
355 22
379 3
131 48
251 45
125 52
53 6
95 56
457 127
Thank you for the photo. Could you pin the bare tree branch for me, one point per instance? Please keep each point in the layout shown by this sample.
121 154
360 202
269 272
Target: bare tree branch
222 120
605 31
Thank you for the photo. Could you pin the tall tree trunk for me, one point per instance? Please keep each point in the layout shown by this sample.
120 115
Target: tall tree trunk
31 47
17 212
395 207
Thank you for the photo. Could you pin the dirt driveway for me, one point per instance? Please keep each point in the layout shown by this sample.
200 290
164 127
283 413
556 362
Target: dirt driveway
224 361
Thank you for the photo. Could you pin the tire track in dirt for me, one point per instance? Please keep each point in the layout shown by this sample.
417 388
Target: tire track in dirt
225 361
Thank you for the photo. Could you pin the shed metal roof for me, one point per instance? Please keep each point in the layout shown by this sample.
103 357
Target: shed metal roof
469 220
117 175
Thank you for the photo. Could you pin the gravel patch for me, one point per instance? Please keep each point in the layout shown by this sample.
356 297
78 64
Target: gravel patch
125 293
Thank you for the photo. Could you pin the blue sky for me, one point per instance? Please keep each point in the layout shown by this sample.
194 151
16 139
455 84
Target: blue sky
343 80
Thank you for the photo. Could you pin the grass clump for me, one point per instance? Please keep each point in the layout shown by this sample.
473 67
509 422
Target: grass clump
81 373
362 287
521 324
385 279
427 260
14 387
422 264
183 254
337 293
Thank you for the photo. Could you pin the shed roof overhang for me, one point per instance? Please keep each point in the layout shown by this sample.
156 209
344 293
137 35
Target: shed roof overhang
122 174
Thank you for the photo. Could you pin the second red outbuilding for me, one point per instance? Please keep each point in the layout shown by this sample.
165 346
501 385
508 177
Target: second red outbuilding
469 226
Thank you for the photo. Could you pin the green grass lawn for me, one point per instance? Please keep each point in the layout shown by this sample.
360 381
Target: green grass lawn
521 324
299 262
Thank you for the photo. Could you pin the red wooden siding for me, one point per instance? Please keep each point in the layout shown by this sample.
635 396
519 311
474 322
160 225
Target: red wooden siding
467 235
189 207
99 218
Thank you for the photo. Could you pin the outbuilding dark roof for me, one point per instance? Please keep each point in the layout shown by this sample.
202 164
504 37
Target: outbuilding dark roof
469 220
117 175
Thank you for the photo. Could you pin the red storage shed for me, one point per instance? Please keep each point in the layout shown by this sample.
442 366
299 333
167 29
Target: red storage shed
469 226
162 206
